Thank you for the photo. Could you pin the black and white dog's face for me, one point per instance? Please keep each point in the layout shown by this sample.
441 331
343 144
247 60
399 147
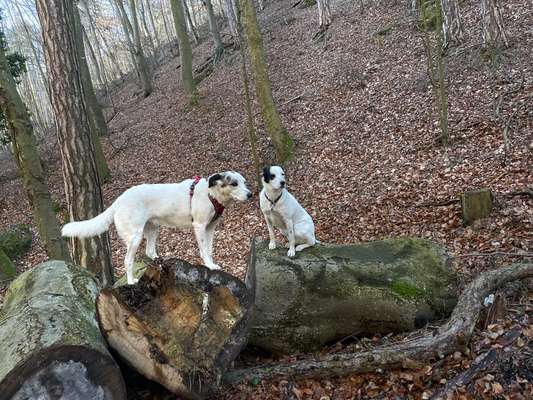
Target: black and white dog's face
274 177
230 184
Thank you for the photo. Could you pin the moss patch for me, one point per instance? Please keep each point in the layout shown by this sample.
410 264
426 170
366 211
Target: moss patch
16 240
406 290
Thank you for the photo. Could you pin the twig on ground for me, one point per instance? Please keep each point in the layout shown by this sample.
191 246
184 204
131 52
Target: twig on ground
494 253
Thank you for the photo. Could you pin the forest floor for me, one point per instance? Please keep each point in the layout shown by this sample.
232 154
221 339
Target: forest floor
367 164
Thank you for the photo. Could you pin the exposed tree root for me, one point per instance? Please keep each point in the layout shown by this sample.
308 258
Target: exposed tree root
451 337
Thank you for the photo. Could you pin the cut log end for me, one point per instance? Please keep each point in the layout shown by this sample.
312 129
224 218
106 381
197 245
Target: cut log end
70 372
181 325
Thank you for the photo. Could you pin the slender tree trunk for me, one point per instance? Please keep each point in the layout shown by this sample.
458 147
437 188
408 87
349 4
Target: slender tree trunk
324 14
493 29
97 55
82 183
185 50
142 64
232 14
154 27
283 143
452 25
219 47
97 122
29 164
165 24
191 25
145 26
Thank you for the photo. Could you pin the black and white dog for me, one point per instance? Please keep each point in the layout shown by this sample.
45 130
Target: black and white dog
282 211
141 210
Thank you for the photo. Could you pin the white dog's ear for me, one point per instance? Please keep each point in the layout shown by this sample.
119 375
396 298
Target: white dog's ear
213 179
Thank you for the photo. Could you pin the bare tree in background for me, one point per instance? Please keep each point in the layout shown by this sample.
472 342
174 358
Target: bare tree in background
185 50
29 163
82 183
219 47
142 64
493 29
232 14
324 14
452 25
283 143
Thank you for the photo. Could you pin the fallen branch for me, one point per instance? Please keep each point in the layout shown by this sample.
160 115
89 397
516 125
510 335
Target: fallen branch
494 253
526 192
451 337
439 204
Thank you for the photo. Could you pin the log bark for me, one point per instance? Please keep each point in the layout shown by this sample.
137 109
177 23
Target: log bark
452 336
329 292
181 325
50 341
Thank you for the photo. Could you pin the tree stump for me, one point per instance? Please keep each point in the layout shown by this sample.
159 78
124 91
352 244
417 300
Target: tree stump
180 325
476 204
50 343
328 292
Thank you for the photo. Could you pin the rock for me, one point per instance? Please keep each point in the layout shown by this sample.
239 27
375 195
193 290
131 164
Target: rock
476 204
16 240
328 292
180 325
7 269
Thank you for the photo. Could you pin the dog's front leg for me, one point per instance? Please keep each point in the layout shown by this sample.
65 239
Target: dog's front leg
272 236
200 231
291 238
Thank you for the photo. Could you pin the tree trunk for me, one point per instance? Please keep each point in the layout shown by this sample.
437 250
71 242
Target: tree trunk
82 183
219 47
192 28
185 51
29 164
324 14
331 291
97 124
165 24
50 340
181 325
140 59
154 27
493 30
452 25
283 143
452 336
232 14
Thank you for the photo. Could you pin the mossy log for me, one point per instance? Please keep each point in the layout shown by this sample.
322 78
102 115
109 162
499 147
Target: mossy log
453 336
50 343
180 325
328 292
7 268
16 240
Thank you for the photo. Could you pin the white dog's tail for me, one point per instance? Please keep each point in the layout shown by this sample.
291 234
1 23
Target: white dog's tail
89 227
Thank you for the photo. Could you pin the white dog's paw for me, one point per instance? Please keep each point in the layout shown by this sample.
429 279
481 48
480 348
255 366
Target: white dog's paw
213 266
152 256
272 245
291 252
132 280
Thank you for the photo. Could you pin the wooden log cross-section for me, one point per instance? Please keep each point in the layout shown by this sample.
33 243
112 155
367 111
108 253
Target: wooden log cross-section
180 325
50 343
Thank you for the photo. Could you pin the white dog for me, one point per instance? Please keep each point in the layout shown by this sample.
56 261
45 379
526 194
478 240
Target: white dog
282 211
140 210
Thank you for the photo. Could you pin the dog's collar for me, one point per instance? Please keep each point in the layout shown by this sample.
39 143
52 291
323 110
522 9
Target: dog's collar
273 203
219 208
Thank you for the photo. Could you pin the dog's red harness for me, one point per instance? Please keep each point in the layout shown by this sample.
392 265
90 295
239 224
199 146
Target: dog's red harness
219 208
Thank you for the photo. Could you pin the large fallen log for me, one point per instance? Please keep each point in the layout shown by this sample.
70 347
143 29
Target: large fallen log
50 343
452 336
181 325
329 292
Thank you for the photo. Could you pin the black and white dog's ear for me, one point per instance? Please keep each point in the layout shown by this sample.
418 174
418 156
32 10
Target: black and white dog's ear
266 174
213 179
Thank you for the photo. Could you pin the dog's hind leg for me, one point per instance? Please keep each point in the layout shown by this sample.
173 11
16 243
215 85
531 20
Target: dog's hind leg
151 232
133 245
